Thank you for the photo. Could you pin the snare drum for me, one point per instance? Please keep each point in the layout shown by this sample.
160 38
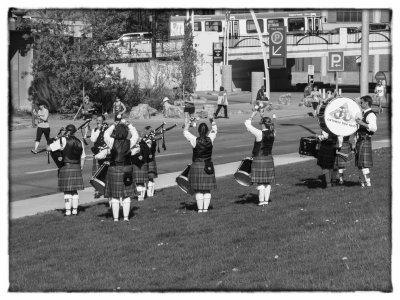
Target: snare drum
338 116
242 175
183 181
309 146
98 180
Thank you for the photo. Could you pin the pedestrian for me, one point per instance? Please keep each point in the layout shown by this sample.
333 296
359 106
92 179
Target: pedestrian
202 175
262 168
327 155
119 108
119 182
87 113
100 150
222 101
366 128
261 94
43 127
70 179
344 155
190 109
316 100
379 95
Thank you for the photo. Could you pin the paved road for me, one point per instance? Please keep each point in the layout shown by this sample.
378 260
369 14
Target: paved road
31 176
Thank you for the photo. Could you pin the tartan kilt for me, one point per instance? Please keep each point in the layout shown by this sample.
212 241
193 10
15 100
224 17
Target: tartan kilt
326 155
115 187
140 175
199 180
262 169
341 163
152 166
364 154
70 178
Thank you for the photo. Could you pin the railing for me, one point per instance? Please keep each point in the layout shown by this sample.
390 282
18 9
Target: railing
379 36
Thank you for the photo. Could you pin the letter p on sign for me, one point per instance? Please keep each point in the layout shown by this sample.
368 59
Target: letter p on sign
336 61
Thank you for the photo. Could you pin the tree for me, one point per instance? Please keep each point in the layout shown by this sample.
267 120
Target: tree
189 60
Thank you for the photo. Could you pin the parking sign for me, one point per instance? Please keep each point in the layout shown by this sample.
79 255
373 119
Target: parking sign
336 61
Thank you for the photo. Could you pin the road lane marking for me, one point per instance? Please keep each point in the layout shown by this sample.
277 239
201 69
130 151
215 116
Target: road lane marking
169 154
40 171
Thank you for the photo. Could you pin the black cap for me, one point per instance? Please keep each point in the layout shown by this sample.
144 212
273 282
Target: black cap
71 128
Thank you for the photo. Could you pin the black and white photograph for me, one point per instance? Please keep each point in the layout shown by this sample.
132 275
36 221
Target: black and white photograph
200 147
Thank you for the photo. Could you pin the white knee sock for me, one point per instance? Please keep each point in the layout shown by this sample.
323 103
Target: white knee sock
267 192
207 200
126 207
115 208
261 193
75 203
365 172
141 190
68 202
200 201
150 189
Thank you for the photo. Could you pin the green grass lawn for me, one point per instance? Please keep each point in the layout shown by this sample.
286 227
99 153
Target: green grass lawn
308 238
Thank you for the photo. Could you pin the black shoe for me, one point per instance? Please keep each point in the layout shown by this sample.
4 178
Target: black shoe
34 151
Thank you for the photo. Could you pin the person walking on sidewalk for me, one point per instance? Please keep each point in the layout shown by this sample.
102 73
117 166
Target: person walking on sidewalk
43 127
262 168
202 175
327 155
261 94
87 113
119 182
367 128
70 174
190 109
379 95
222 101
119 108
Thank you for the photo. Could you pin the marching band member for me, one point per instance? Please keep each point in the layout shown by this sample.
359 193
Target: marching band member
367 128
344 155
262 168
327 155
202 175
100 149
43 127
140 171
70 174
119 183
151 163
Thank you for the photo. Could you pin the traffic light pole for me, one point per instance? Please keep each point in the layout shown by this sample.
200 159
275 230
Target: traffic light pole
364 88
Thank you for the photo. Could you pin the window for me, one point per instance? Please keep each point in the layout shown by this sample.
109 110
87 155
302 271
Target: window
348 16
251 27
296 24
213 26
197 26
276 22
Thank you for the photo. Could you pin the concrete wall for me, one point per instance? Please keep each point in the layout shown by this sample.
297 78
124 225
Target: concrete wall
21 79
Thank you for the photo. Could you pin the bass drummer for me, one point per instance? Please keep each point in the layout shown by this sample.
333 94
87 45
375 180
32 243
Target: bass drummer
262 168
100 149
367 128
70 174
327 155
202 175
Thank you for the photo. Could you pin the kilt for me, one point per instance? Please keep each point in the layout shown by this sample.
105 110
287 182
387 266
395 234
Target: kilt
341 163
140 175
326 155
199 180
115 187
262 169
364 154
70 178
152 166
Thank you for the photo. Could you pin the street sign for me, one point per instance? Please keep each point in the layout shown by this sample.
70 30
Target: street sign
310 69
380 76
218 52
336 61
277 47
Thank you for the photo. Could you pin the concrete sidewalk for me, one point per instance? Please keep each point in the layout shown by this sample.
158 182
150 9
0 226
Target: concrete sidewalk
32 206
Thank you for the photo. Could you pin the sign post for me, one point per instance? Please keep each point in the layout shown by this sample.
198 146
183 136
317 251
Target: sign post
336 64
218 56
277 46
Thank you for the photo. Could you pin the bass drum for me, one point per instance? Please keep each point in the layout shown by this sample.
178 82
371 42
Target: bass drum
309 146
242 175
98 180
183 181
338 116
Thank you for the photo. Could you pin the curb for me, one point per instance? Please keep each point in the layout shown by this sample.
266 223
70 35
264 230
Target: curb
33 206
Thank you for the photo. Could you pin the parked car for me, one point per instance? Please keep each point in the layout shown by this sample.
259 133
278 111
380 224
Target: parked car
377 27
142 37
349 30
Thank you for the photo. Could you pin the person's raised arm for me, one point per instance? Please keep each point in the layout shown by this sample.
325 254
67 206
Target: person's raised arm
135 135
214 129
190 137
95 134
83 156
256 132
107 136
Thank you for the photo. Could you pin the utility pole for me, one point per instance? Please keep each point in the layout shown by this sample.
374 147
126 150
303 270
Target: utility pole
364 84
154 33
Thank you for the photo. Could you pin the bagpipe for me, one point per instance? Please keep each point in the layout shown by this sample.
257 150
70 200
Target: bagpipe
57 155
158 134
97 147
81 127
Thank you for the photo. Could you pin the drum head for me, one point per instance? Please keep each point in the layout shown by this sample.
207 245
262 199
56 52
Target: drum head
242 178
339 116
183 184
98 185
